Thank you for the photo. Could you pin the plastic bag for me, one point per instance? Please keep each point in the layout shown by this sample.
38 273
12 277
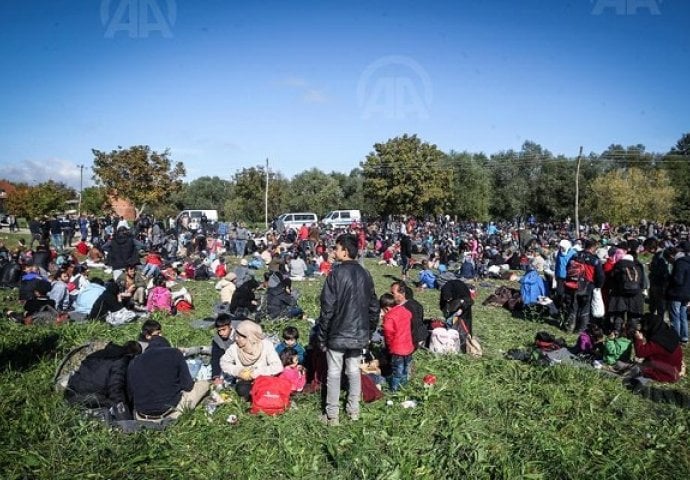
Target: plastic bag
598 310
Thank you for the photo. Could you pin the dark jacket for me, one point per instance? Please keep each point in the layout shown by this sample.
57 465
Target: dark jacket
278 300
679 285
100 380
106 303
157 377
349 308
122 251
218 348
420 332
244 296
455 295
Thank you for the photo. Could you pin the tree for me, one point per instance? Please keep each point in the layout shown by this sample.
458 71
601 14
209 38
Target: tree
246 202
627 196
407 176
471 186
314 191
677 164
142 176
94 200
45 198
205 193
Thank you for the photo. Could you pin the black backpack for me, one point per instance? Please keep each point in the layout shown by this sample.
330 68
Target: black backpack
629 277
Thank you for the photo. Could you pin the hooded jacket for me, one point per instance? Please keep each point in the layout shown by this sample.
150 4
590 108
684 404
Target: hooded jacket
349 308
679 285
123 251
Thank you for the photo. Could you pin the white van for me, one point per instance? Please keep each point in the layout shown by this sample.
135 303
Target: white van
341 218
194 217
295 220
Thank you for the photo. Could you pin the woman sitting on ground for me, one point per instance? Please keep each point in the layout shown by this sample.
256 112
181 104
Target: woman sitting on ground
250 357
659 345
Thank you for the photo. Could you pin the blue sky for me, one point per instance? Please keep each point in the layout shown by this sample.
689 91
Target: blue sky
226 84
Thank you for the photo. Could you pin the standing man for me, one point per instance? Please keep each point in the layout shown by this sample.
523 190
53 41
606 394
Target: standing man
349 316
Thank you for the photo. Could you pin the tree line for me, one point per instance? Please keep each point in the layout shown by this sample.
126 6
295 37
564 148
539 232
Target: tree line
404 175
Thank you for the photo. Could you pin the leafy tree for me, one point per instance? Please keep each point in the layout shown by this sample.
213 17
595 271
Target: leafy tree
471 186
246 201
627 196
205 193
406 175
42 199
314 191
142 176
677 165
554 193
94 200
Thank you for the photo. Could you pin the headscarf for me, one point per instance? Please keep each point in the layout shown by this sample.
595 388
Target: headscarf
251 351
660 333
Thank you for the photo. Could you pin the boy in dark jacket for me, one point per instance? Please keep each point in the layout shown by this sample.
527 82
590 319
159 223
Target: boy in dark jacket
222 339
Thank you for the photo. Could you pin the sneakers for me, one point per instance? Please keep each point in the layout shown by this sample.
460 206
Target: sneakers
331 422
354 416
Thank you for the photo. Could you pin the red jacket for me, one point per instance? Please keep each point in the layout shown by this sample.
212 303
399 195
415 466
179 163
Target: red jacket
660 364
397 331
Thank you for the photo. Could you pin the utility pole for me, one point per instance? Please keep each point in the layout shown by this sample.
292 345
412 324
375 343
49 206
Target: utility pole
577 195
81 185
266 197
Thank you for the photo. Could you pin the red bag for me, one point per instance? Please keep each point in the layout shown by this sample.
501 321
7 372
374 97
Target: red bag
270 395
370 391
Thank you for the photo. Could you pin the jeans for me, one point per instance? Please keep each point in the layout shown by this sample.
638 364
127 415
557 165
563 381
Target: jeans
240 247
335 359
580 308
678 311
56 240
401 369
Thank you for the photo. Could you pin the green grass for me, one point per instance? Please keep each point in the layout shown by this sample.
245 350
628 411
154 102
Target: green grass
485 418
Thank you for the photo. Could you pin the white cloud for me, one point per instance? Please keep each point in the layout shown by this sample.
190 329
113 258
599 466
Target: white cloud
39 171
308 93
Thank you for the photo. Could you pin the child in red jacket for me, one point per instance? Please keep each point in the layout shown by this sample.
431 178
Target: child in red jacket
397 332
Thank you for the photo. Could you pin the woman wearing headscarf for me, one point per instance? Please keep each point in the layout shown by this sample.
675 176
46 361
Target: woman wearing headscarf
108 302
659 345
250 357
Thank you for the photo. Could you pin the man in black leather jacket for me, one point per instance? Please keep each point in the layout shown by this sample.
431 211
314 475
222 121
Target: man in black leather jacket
349 316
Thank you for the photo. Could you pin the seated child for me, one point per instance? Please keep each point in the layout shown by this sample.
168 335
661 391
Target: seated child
159 297
293 372
154 262
35 304
290 337
397 332
222 339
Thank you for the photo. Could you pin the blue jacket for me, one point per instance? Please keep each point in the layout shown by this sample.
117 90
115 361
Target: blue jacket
427 278
562 259
532 287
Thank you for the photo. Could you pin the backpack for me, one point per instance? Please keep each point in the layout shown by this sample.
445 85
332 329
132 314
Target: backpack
629 277
72 361
270 395
444 341
579 275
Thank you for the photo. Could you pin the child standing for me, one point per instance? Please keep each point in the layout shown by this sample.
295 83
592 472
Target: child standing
293 372
290 340
397 333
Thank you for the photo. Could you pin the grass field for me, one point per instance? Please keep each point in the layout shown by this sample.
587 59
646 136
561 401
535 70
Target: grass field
485 418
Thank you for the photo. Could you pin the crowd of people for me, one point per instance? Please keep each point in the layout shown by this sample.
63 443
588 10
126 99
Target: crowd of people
597 282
